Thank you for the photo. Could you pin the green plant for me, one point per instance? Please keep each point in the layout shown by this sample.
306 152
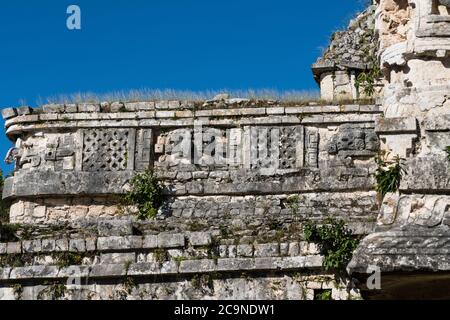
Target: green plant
323 295
389 174
293 203
146 194
335 240
8 232
366 81
448 152
18 291
54 291
128 285
67 259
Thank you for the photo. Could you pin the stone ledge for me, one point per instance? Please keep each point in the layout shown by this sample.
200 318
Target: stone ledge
396 126
150 243
166 268
62 119
29 183
440 123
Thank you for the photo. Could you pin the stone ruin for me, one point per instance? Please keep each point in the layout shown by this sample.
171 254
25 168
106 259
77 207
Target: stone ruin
242 177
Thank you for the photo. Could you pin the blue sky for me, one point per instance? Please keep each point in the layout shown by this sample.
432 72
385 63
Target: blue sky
158 44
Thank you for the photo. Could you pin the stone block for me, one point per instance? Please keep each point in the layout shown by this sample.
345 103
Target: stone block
48 245
31 246
150 242
77 245
33 272
53 108
24 111
169 267
88 108
197 266
119 243
169 240
199 239
113 258
91 244
13 247
71 108
294 249
143 269
9 113
237 264
62 245
245 250
396 125
2 248
112 227
108 270
267 250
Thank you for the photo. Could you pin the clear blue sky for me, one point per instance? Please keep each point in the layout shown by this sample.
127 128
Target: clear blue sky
179 44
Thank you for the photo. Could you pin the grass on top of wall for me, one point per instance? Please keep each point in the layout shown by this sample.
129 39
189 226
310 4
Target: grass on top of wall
298 96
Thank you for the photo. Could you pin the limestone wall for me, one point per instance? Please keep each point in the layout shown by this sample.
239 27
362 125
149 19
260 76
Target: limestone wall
242 177
413 226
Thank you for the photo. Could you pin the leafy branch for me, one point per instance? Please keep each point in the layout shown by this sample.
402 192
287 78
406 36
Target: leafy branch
336 242
389 174
146 194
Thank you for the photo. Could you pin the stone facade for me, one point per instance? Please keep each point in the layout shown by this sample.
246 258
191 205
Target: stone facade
351 52
412 229
242 177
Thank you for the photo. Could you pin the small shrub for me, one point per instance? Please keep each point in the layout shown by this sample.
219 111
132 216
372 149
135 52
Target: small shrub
146 194
323 295
336 242
8 232
389 175
67 259
53 291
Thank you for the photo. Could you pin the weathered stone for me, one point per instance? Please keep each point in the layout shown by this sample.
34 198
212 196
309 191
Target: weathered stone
245 250
77 245
114 228
114 258
9 113
198 239
119 243
32 246
197 266
62 245
169 240
25 110
267 250
13 247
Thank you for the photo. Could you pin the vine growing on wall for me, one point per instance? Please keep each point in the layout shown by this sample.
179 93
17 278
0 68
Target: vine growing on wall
389 174
336 242
146 193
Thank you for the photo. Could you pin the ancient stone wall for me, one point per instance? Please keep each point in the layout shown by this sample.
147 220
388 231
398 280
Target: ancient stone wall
413 225
242 177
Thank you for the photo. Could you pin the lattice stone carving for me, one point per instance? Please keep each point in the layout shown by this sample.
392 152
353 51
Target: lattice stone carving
108 149
276 148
